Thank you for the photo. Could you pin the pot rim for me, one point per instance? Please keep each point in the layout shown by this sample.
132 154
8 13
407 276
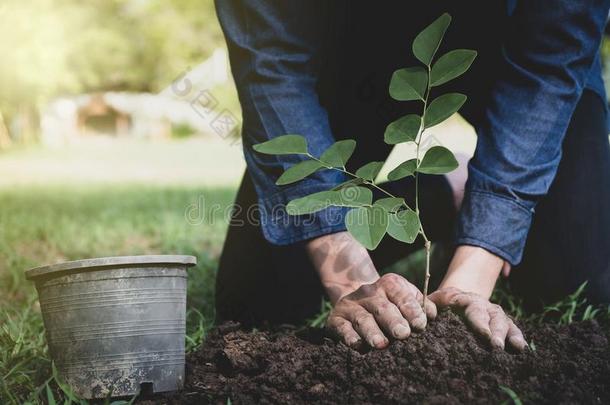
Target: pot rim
114 261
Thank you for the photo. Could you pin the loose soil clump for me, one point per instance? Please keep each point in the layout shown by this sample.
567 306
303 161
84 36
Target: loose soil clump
444 365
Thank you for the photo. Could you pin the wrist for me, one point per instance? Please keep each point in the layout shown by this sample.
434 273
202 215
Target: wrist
335 290
473 269
343 265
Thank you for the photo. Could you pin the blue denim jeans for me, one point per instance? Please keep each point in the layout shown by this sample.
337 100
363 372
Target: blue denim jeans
569 241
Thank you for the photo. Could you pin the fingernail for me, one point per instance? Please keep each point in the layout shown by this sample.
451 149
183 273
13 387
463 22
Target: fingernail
419 323
518 343
378 341
353 342
497 342
401 332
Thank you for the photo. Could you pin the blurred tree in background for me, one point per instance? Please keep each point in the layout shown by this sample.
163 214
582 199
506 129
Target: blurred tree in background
55 47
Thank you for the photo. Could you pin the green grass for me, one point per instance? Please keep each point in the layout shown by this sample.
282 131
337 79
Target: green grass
41 225
514 398
572 308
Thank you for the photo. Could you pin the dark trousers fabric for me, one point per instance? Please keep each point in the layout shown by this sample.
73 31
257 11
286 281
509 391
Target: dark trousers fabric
568 244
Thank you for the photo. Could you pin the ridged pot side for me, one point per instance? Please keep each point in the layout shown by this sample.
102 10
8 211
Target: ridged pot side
115 326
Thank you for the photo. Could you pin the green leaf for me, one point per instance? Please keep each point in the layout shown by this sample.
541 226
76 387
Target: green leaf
311 203
438 160
348 197
403 170
339 153
370 170
298 172
352 182
404 225
404 129
451 65
409 84
426 43
354 197
283 145
390 204
442 108
367 225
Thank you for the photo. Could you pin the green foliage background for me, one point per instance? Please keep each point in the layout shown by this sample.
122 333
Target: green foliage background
52 47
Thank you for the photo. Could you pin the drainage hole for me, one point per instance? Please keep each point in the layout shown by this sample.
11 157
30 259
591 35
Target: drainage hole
146 389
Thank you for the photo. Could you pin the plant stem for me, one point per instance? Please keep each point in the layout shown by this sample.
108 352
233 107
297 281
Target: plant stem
428 248
418 139
427 243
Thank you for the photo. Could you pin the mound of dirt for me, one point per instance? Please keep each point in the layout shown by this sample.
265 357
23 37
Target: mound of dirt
443 365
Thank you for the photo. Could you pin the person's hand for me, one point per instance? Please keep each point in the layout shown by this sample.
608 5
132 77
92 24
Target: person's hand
366 307
466 289
487 319
389 307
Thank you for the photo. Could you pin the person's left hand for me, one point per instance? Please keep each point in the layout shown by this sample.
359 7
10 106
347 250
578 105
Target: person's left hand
486 319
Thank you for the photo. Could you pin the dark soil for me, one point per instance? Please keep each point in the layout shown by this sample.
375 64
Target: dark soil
444 365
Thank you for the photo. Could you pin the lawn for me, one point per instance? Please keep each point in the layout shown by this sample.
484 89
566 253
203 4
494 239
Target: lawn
47 224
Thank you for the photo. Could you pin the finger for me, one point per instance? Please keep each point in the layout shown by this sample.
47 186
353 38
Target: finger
364 323
412 311
498 324
405 299
515 337
447 297
478 319
506 269
343 328
410 308
388 317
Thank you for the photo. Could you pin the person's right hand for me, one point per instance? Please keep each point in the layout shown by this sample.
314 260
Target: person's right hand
388 307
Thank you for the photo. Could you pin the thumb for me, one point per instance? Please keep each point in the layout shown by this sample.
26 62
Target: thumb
445 297
506 268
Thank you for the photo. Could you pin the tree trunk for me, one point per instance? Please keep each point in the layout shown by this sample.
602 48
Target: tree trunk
5 139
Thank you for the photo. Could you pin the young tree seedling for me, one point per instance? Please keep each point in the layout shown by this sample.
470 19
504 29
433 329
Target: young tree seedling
368 221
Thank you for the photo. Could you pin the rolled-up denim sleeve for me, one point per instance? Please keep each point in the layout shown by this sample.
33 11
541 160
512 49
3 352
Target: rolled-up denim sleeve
274 49
549 50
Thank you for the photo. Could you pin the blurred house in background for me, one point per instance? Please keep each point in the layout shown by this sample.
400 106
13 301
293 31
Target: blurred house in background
187 106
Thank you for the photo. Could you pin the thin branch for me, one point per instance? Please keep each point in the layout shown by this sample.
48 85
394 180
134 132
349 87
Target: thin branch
427 243
418 139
